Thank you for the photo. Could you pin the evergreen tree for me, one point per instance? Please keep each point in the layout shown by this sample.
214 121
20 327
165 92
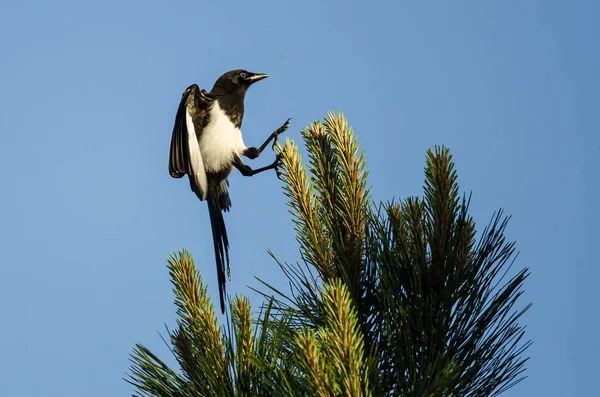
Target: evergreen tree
401 298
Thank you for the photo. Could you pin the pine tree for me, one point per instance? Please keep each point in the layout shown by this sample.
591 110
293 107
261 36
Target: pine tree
401 298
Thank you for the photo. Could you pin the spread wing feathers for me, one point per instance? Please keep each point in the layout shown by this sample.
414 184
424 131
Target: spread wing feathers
185 156
217 196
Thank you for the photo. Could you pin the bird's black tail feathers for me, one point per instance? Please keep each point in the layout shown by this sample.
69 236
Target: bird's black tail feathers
218 201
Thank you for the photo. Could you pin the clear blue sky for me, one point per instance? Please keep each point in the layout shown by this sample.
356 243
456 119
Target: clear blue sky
89 214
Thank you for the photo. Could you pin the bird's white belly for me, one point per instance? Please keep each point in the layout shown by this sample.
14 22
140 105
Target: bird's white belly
220 141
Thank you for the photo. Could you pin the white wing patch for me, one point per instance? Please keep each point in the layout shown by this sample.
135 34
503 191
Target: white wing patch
199 174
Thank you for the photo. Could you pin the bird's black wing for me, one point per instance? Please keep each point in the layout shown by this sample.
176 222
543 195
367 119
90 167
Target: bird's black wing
218 201
185 156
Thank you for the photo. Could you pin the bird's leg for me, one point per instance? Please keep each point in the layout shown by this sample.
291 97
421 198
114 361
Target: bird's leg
253 152
274 135
248 171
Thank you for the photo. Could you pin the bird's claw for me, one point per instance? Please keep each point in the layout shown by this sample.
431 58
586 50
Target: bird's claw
277 164
280 130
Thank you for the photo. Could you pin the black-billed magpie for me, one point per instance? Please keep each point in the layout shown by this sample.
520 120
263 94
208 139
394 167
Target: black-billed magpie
207 143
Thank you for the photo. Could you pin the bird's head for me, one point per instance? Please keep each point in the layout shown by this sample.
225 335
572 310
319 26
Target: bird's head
236 81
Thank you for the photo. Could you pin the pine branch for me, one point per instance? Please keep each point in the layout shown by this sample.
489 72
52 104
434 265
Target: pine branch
334 356
198 341
315 247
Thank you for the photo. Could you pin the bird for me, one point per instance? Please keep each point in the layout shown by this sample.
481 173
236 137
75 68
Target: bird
207 143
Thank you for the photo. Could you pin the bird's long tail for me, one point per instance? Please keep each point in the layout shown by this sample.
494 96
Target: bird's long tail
218 201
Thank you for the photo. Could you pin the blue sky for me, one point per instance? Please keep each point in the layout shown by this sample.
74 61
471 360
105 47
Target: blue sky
89 214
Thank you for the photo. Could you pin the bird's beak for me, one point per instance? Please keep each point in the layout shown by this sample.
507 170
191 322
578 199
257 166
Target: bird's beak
254 77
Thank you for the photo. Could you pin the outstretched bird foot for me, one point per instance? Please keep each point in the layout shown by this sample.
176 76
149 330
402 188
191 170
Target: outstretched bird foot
280 130
277 163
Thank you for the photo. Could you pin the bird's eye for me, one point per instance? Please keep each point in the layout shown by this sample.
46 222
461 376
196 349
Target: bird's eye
243 75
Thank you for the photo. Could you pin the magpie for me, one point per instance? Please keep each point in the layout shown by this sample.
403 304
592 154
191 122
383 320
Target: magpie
207 143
